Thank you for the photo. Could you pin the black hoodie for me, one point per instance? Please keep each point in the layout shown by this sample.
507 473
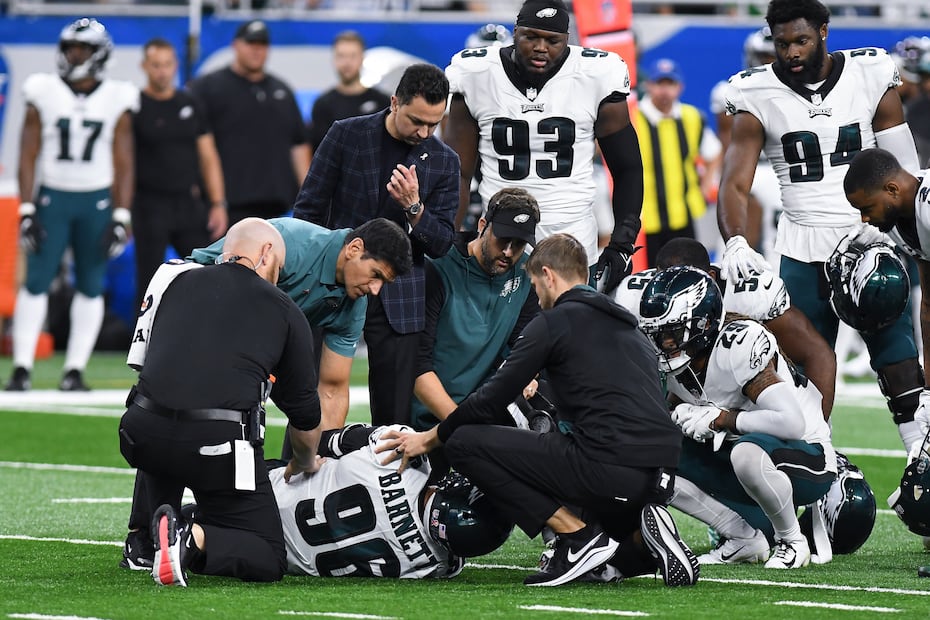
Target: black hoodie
603 372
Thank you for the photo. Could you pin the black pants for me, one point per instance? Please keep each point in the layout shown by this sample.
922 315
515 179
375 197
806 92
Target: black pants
242 529
265 210
529 475
162 219
391 367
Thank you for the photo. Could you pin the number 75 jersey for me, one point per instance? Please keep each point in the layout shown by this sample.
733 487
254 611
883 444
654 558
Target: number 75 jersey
77 130
811 136
542 141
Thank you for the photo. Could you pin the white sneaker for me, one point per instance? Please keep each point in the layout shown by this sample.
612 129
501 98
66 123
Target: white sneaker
790 554
738 551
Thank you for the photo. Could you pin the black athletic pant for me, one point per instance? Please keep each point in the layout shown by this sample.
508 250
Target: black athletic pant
242 529
161 219
391 367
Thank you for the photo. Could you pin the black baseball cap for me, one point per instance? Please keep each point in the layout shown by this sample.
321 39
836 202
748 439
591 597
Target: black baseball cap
517 223
255 31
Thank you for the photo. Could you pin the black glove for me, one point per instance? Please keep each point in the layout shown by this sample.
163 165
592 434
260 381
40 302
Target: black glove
617 261
31 232
116 236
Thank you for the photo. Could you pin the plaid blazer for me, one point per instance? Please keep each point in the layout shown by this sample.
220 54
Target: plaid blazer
343 188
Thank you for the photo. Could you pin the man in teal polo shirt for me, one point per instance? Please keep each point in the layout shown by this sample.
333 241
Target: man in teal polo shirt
328 273
478 299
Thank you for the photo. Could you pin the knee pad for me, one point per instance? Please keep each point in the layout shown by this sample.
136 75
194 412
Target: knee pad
901 383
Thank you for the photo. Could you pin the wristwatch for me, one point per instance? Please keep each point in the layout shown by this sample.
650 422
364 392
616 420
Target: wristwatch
414 209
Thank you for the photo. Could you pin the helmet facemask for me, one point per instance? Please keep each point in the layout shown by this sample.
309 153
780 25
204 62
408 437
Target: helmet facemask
88 32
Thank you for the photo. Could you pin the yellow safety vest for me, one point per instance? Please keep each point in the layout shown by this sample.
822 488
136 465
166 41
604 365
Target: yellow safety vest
672 189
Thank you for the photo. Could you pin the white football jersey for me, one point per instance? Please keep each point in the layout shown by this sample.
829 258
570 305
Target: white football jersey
810 139
77 130
762 297
542 141
742 350
356 517
917 242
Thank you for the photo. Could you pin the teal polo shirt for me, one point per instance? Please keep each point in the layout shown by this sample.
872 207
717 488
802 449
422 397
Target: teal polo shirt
309 278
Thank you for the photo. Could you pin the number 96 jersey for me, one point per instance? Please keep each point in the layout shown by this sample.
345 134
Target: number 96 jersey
77 130
358 518
542 141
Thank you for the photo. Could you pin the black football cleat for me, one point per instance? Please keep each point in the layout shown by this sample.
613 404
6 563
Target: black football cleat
20 381
73 381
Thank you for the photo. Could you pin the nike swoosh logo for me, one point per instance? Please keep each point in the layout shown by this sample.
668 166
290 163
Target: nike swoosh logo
573 557
726 558
768 286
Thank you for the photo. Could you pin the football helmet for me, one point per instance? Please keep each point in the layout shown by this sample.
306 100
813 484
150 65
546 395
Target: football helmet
681 305
489 35
848 509
758 48
869 285
460 518
907 55
911 500
89 31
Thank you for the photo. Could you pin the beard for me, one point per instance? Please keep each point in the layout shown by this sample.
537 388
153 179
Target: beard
812 67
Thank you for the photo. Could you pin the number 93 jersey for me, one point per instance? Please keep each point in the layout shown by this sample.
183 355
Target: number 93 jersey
541 141
358 518
811 136
77 130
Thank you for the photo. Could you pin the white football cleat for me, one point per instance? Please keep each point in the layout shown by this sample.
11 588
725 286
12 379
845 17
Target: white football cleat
738 551
790 554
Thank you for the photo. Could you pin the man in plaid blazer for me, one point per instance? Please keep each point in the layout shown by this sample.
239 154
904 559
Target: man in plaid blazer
389 164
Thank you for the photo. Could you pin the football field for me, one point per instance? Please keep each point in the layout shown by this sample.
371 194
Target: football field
65 495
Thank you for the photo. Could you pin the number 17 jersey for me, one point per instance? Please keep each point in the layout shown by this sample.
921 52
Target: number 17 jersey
541 141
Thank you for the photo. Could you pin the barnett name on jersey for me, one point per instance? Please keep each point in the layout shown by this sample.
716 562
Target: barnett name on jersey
762 296
810 137
541 140
914 237
742 350
358 518
77 130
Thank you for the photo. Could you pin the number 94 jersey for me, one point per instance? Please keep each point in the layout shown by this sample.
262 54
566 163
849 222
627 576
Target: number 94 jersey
77 130
358 518
541 141
811 136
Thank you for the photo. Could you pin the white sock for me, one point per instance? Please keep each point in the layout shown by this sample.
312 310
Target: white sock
86 319
910 435
768 487
691 500
28 319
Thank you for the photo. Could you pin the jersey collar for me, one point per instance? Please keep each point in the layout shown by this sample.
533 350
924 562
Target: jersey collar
814 96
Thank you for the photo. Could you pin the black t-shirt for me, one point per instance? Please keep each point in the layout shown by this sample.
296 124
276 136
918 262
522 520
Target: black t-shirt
255 125
166 133
393 152
334 106
218 333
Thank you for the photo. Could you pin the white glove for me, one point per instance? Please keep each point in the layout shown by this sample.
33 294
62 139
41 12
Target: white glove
741 261
695 420
865 234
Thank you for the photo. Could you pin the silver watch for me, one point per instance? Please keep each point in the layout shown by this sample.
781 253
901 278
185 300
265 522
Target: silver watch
414 209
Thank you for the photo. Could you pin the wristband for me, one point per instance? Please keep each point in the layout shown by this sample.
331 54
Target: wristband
122 216
27 209
219 203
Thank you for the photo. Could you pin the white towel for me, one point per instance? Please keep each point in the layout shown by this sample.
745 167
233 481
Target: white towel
153 294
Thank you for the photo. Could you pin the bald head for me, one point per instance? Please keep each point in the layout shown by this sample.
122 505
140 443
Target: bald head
257 243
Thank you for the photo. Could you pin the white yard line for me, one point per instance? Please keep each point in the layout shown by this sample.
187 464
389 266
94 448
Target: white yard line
48 617
95 469
584 610
73 541
335 614
839 606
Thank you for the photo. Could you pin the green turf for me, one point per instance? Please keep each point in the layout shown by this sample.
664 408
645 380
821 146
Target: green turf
52 578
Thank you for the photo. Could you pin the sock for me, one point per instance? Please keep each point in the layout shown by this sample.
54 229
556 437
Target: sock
768 487
691 500
28 319
86 320
910 435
